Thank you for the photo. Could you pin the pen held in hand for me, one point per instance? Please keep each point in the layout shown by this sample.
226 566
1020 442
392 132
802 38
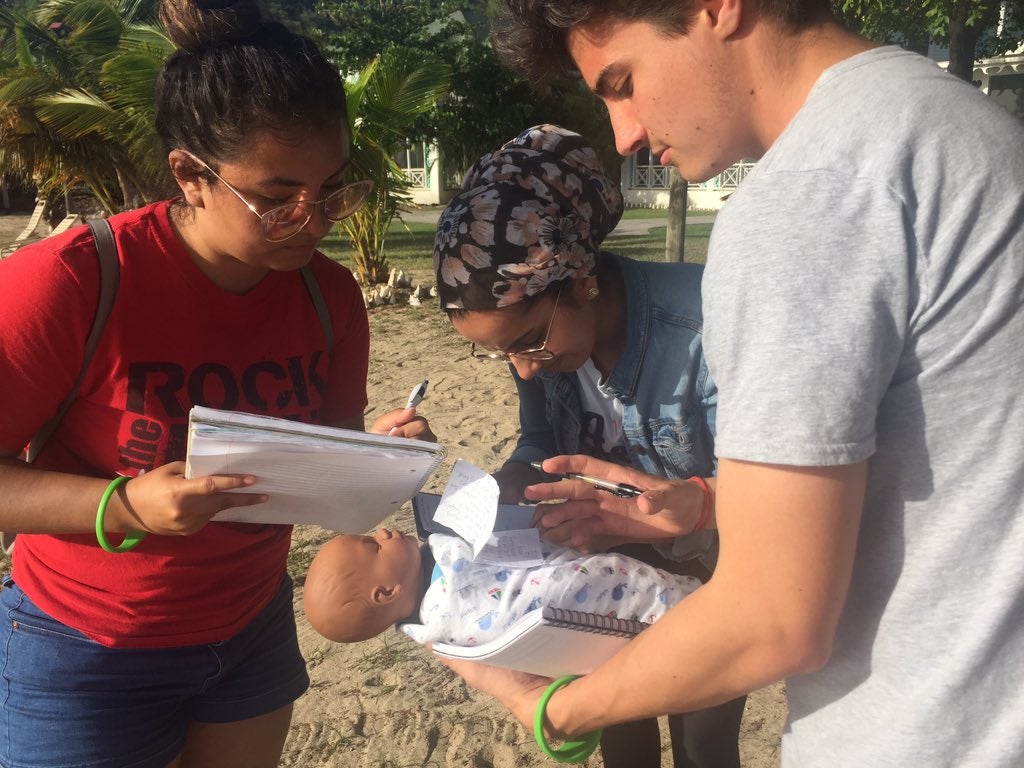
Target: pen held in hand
622 490
415 398
417 394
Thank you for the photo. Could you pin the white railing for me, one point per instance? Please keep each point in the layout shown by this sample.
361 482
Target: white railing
730 178
650 177
733 175
657 177
417 177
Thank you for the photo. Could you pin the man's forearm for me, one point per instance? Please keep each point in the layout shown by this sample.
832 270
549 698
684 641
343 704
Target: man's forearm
676 667
770 610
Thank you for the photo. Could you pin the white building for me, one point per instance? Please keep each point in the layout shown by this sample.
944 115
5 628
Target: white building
1002 78
422 165
646 182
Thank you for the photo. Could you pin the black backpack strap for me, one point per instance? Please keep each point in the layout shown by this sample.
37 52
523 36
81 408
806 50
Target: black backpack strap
319 304
110 274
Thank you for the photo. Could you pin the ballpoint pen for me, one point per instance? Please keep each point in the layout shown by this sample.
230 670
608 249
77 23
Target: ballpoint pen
622 490
415 398
417 394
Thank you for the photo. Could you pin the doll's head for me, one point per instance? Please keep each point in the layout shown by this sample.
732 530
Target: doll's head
358 586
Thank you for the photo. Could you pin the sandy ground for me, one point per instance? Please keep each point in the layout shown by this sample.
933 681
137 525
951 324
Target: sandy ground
386 703
11 225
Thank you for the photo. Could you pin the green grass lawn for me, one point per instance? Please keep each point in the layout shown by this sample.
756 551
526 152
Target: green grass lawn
410 247
656 213
645 213
651 246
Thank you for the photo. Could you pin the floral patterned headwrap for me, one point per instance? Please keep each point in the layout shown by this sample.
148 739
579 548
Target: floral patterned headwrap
530 214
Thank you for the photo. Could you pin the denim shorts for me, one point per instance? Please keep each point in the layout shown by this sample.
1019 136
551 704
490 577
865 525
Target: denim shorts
68 701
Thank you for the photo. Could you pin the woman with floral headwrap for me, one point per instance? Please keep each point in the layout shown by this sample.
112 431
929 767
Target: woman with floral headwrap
607 358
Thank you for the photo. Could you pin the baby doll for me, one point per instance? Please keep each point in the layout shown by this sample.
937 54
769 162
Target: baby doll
358 586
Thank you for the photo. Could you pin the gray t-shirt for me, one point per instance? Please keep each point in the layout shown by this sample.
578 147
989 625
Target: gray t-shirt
863 300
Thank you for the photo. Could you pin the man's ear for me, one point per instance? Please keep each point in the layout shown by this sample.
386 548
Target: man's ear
724 16
188 174
382 595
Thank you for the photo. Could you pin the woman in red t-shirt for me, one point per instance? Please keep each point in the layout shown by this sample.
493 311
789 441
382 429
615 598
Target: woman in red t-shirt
181 651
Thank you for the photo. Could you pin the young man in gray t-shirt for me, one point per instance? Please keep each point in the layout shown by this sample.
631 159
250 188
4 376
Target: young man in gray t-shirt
863 321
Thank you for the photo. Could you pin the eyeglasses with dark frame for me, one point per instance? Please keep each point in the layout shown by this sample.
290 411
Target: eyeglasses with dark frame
535 354
285 221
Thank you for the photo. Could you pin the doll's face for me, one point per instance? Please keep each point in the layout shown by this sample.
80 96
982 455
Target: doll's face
387 557
358 585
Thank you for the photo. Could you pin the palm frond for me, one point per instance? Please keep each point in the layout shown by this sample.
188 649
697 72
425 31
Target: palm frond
404 87
148 38
76 114
384 100
23 86
128 81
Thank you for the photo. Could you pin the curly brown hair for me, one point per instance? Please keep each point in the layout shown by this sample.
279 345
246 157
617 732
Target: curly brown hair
531 36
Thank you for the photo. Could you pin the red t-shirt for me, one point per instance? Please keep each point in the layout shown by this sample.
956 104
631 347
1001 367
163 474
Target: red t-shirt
173 339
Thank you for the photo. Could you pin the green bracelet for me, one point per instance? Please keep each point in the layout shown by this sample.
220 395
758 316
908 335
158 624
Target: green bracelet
575 751
131 538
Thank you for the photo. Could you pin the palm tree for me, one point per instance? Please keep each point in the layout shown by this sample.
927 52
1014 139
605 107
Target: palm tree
384 100
76 97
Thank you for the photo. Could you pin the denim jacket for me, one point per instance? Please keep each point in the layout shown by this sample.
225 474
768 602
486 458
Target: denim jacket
661 378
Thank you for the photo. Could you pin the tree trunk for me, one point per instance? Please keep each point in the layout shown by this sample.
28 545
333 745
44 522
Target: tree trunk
963 38
675 233
919 43
131 192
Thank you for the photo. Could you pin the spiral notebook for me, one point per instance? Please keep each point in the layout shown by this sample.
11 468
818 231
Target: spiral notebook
551 642
340 479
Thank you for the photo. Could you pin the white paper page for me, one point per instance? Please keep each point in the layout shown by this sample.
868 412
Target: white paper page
544 650
206 443
339 479
469 504
517 549
235 426
350 495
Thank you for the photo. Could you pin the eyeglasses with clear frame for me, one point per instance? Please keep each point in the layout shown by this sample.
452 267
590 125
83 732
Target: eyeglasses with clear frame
535 354
285 221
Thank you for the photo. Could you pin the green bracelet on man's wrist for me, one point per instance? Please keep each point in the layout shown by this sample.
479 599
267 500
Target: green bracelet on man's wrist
572 751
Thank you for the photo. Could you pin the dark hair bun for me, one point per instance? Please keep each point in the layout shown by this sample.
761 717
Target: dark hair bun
193 26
